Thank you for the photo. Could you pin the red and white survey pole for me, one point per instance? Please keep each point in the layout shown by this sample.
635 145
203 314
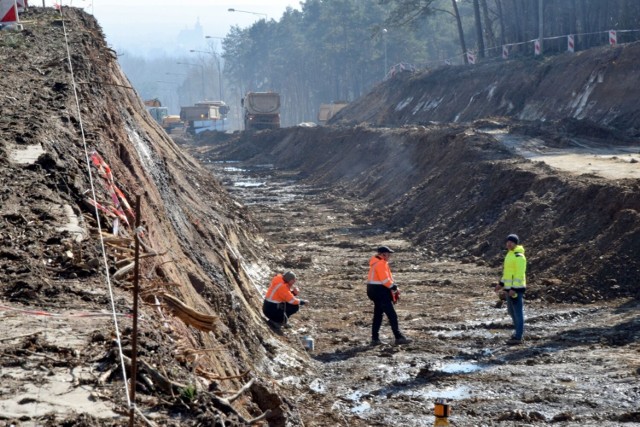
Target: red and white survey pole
571 43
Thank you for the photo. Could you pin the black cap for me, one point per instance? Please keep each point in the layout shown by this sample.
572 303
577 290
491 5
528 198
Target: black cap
513 238
384 250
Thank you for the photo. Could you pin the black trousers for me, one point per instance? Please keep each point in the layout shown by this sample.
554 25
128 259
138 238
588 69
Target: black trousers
382 304
276 312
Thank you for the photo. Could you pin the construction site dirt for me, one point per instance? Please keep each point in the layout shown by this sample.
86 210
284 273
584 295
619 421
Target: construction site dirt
222 214
576 352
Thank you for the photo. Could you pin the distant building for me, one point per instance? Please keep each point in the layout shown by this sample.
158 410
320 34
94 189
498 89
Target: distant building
191 38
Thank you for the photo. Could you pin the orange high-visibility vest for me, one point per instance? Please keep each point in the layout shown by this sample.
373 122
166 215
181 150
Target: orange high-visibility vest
379 272
279 292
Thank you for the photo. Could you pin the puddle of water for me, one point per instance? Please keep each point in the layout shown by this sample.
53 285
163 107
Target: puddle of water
233 169
248 184
494 131
461 368
457 393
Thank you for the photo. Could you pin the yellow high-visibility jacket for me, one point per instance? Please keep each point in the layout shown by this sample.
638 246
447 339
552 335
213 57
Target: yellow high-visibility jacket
514 273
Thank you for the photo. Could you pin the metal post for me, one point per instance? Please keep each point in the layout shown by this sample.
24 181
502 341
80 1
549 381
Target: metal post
384 36
219 76
134 333
541 24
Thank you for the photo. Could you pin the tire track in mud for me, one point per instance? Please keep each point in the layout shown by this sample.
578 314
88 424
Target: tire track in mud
447 308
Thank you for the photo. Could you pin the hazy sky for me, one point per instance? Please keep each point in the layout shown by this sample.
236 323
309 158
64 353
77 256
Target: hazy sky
145 25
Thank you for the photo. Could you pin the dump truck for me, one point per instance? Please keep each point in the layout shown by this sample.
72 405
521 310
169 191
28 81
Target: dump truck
261 110
327 111
204 115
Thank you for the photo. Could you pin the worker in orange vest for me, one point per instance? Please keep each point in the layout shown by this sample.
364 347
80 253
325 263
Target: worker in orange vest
281 301
383 291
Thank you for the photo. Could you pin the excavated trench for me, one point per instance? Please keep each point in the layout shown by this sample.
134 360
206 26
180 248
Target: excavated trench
443 196
579 365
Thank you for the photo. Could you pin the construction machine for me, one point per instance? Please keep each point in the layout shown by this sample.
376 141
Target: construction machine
261 110
204 115
161 115
327 111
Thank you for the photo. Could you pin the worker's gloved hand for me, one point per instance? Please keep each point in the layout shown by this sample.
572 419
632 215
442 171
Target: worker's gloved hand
303 302
295 291
499 286
394 287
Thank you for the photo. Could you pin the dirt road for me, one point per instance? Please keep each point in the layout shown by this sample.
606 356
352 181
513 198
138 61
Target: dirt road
578 366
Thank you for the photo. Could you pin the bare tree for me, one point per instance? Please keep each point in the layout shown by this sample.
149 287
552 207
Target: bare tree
479 33
463 45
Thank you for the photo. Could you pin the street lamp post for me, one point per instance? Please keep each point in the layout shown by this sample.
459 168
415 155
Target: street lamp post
217 63
201 73
246 11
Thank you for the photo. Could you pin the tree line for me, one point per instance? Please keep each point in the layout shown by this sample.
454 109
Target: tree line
335 50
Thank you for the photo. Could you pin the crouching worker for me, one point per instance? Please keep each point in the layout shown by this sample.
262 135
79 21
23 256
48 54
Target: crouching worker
281 301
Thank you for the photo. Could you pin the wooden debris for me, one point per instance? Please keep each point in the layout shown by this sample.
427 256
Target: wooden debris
202 321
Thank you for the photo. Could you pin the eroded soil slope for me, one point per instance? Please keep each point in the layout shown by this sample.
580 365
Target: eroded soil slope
201 337
598 86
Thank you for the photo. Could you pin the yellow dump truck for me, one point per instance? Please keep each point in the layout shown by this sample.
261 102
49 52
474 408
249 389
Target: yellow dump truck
172 122
205 115
327 111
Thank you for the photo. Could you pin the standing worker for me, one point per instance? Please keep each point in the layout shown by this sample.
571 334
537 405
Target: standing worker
382 290
281 301
513 285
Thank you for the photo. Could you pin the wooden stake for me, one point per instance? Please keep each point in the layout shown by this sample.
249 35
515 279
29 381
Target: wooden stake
134 340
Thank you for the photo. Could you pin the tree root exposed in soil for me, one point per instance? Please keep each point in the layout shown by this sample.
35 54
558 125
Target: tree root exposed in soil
170 386
202 321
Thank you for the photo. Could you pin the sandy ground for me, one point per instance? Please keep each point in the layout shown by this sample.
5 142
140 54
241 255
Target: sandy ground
579 364
585 157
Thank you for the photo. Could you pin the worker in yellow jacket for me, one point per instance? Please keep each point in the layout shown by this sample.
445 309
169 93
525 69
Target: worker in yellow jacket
382 290
513 285
281 301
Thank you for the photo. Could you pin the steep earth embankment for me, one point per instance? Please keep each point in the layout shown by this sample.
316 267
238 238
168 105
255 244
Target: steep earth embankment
200 331
599 86
459 191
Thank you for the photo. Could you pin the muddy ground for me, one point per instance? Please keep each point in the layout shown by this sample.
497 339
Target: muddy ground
318 201
579 364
